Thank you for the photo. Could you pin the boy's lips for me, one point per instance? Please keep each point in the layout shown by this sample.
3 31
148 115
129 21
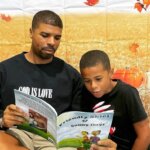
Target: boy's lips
97 93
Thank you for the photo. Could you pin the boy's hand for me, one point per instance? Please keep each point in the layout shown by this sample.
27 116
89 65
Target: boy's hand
104 145
13 115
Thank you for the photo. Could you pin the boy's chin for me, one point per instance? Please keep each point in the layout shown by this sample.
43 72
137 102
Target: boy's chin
97 95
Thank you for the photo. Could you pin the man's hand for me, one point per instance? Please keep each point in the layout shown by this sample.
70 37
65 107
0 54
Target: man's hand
13 115
104 145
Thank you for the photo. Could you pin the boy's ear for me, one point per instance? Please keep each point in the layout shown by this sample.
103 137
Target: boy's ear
111 72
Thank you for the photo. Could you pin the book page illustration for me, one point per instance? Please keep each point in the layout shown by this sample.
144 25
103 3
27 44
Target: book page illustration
41 118
81 129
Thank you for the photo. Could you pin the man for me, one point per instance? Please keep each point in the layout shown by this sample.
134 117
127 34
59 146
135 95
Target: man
39 73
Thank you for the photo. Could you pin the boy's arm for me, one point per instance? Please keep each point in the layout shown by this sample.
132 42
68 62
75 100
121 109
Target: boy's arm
106 144
142 130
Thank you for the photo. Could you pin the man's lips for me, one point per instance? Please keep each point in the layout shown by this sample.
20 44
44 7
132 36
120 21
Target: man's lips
48 49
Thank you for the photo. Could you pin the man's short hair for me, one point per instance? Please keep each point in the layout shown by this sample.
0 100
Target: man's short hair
93 58
47 17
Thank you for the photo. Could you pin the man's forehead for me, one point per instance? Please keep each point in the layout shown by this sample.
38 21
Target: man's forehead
47 28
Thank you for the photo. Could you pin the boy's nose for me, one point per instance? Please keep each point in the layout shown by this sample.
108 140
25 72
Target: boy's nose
93 85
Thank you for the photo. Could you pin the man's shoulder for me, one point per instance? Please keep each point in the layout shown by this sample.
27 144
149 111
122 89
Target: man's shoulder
10 61
67 66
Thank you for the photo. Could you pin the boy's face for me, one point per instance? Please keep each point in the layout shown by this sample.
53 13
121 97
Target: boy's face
97 80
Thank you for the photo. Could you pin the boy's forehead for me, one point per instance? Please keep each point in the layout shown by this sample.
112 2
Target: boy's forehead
94 72
95 66
97 69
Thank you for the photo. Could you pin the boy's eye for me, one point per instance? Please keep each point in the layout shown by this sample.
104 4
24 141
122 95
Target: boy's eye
98 79
86 81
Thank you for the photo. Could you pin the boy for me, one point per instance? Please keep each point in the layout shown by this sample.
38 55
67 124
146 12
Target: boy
130 119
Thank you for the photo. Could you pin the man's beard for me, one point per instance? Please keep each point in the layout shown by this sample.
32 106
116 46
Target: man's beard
40 52
44 55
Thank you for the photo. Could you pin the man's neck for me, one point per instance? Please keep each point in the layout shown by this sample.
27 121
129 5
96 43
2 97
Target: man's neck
32 58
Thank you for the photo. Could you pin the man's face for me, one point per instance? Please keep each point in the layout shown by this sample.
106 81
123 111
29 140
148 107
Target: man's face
45 40
97 80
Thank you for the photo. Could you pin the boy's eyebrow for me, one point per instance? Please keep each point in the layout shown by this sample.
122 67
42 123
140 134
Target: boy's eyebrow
86 78
98 76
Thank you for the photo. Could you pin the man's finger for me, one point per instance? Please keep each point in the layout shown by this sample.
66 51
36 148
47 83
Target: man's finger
13 107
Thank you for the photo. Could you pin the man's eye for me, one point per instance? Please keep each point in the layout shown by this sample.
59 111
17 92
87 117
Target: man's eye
57 38
44 35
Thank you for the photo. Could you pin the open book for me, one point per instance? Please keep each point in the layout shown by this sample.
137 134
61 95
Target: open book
70 129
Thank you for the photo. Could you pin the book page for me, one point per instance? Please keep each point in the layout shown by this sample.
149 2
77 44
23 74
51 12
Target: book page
81 129
41 118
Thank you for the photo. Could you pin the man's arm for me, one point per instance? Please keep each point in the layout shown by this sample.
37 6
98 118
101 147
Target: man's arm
76 95
142 130
1 115
12 115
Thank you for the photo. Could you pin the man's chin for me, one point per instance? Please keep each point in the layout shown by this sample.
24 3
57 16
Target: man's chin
47 56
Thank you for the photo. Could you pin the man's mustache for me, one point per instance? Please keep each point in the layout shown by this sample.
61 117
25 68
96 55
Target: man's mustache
49 48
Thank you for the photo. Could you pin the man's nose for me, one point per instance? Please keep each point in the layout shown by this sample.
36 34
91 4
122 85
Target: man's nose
51 41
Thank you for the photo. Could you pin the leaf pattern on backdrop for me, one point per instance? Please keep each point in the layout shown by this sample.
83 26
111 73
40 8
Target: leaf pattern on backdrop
91 2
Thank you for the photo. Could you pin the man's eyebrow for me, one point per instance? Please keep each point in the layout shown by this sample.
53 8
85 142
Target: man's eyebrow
43 32
59 35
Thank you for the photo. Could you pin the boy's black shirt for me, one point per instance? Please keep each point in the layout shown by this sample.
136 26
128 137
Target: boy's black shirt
128 109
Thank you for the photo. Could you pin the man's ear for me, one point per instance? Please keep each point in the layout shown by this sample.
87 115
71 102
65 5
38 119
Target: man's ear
30 31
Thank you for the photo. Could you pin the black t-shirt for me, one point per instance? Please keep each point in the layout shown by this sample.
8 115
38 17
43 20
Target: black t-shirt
128 109
57 82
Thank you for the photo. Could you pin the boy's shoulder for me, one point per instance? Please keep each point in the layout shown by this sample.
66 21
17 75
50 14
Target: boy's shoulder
125 88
